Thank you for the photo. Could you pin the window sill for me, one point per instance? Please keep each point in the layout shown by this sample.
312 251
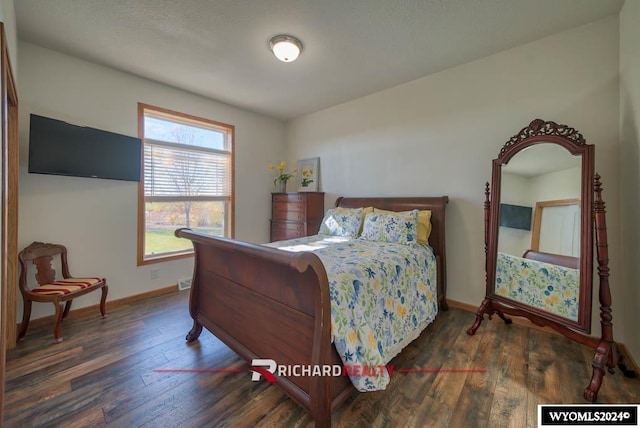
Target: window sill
147 260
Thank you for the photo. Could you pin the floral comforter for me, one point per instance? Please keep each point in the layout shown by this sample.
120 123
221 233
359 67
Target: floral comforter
541 285
382 296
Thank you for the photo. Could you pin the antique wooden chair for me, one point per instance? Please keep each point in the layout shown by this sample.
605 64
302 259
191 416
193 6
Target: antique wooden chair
49 289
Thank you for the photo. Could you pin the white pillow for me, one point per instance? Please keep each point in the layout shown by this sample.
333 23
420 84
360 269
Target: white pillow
401 228
345 222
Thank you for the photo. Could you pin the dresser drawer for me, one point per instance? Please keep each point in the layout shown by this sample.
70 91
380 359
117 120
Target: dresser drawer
294 215
284 234
289 215
288 206
284 197
278 226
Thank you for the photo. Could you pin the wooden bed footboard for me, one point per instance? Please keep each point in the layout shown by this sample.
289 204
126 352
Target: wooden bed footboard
266 303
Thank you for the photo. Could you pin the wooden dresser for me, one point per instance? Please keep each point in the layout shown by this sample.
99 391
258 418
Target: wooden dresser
294 215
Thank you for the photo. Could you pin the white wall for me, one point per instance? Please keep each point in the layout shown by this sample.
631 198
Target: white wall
437 136
8 17
97 219
515 190
562 184
630 167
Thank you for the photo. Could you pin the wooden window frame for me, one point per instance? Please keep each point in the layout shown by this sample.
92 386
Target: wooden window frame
171 114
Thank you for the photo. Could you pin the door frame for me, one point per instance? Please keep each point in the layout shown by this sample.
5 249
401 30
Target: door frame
9 209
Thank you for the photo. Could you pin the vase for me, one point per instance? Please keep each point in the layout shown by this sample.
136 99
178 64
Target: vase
283 186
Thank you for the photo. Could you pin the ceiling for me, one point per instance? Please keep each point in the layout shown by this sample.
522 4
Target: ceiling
352 48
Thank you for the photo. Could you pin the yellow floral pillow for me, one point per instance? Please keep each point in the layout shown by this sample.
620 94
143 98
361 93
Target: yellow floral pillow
424 224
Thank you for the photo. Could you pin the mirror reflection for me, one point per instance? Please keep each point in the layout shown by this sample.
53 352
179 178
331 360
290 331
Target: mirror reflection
541 211
539 230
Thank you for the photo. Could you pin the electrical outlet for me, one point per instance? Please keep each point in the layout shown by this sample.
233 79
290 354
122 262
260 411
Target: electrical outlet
155 273
184 284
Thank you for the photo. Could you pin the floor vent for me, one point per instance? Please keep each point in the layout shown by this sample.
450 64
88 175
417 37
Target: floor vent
184 284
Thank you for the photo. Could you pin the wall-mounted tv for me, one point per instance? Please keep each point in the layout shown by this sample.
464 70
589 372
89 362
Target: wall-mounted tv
60 148
515 216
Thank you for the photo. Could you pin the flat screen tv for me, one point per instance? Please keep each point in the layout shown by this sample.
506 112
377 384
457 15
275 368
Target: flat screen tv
515 216
60 148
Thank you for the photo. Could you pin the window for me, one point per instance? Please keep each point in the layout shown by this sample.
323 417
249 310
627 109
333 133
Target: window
187 181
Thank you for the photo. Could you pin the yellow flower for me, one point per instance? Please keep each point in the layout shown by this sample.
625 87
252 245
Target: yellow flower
282 175
306 177
352 336
372 340
553 300
402 311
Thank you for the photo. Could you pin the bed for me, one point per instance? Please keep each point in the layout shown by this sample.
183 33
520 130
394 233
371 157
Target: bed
266 303
553 281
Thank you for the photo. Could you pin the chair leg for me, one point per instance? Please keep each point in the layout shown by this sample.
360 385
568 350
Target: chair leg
67 307
103 299
57 328
26 315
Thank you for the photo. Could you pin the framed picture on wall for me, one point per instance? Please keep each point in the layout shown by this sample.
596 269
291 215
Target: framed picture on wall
308 169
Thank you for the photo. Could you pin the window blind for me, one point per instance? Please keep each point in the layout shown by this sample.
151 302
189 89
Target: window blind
178 170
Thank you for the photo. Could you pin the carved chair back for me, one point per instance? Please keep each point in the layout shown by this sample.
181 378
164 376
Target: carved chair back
42 256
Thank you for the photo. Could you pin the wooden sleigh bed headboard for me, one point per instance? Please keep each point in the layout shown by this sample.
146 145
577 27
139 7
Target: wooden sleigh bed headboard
554 259
272 304
436 240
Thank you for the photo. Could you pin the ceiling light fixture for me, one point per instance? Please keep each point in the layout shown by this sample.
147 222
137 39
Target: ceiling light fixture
286 48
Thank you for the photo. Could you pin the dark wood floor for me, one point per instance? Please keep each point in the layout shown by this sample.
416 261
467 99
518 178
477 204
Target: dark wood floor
103 374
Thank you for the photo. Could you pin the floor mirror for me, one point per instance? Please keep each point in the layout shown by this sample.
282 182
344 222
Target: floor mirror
543 214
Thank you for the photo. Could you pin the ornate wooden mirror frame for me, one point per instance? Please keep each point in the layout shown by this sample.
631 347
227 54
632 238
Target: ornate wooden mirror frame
592 215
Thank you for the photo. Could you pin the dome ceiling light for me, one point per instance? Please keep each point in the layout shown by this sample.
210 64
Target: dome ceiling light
286 48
